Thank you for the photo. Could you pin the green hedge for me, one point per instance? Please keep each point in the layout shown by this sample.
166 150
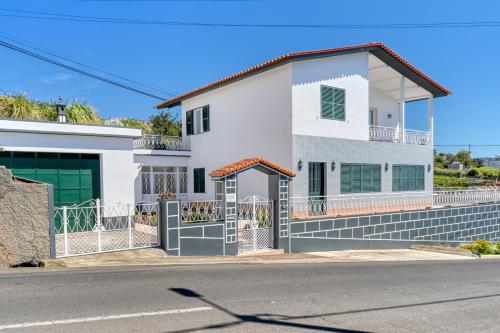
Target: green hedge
448 172
484 172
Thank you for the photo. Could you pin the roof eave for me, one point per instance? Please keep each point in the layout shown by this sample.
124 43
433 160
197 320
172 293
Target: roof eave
377 49
404 70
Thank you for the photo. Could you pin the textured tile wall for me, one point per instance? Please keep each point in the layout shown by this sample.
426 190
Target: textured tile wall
460 224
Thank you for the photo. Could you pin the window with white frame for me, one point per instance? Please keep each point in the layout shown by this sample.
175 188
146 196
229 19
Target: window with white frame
156 180
198 120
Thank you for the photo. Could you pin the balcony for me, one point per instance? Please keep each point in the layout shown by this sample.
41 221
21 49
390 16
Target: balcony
395 135
158 142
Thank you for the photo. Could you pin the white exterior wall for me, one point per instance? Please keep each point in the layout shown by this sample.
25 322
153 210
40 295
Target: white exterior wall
248 118
385 105
349 72
114 145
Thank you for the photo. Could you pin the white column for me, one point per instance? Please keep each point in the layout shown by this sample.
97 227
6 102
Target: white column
402 108
177 183
152 186
430 119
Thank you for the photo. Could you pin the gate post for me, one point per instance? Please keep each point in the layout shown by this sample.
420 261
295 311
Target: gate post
254 225
129 224
278 191
169 220
65 229
231 215
98 218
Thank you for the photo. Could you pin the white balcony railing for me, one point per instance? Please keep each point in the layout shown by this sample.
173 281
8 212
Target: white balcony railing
395 135
151 141
348 205
201 211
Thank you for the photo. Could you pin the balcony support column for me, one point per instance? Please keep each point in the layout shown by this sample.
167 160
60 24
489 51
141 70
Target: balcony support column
430 119
402 108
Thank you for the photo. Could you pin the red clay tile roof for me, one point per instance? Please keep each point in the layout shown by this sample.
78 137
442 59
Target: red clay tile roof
307 54
248 163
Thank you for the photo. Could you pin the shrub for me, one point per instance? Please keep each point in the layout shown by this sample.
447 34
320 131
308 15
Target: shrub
481 246
473 173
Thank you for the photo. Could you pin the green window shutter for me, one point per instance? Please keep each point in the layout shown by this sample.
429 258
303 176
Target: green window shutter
326 102
345 178
339 104
199 180
358 178
396 178
206 118
376 178
189 123
408 178
420 178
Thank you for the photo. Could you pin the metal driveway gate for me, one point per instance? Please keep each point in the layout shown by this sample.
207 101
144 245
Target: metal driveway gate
255 224
95 226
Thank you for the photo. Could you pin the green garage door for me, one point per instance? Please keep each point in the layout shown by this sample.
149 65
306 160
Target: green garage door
76 177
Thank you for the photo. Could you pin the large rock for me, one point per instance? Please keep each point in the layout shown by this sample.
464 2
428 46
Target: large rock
24 221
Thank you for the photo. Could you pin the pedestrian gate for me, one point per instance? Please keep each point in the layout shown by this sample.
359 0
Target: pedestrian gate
255 224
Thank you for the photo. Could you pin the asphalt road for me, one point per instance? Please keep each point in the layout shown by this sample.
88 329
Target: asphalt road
451 296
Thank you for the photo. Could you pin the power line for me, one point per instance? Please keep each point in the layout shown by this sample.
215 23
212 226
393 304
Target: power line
77 70
66 58
470 145
114 20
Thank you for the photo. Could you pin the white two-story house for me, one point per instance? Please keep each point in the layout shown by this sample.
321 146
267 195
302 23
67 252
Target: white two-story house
335 117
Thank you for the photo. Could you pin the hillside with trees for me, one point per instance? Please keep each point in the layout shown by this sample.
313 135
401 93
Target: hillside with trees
473 174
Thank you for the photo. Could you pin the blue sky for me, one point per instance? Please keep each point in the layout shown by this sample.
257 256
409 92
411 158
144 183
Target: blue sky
178 58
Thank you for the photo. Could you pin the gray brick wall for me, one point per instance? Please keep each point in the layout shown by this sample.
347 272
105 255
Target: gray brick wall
322 149
461 224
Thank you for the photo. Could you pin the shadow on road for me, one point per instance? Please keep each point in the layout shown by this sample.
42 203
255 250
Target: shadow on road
381 308
257 319
283 321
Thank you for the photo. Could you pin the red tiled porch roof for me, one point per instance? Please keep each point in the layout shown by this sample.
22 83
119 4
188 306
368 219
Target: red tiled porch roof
249 163
377 48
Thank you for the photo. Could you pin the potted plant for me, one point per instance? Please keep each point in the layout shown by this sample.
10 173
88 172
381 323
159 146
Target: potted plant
167 196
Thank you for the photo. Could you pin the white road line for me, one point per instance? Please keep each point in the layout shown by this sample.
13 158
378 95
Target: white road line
100 318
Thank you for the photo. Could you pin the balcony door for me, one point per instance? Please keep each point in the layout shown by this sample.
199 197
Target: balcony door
316 179
372 117
316 188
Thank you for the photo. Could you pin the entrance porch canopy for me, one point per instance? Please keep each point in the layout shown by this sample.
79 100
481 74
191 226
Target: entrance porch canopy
257 163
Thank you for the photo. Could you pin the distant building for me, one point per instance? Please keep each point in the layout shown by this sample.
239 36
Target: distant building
492 162
114 121
456 165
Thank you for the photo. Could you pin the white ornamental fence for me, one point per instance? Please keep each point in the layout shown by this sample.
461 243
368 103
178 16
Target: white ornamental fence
395 135
96 226
348 205
154 141
201 211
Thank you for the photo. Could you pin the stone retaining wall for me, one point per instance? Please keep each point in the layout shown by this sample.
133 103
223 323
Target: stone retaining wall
25 210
